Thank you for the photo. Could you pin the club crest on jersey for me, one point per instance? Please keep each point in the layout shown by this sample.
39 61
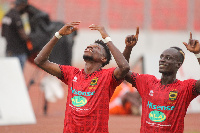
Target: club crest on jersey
94 81
173 95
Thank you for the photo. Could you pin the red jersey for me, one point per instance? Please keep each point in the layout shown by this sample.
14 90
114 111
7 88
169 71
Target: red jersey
163 106
87 107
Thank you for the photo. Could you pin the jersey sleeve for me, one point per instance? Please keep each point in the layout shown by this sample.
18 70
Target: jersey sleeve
67 72
190 88
113 82
133 78
140 82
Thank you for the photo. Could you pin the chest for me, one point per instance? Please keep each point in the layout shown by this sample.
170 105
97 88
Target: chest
163 94
88 84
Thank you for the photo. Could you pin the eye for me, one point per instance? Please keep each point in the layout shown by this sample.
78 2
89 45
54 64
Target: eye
168 58
97 47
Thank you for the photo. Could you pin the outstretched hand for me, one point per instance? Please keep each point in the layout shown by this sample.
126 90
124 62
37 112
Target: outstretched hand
101 29
193 45
69 28
131 40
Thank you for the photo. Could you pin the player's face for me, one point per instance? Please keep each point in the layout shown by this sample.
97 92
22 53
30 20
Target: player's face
94 52
168 61
22 8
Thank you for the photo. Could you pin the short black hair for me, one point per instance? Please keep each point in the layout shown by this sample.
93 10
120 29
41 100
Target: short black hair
18 2
182 57
108 55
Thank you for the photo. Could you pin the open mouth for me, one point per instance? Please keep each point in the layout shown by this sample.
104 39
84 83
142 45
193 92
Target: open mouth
162 65
88 50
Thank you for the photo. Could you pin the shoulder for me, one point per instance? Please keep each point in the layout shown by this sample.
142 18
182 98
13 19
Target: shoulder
109 69
64 68
188 82
146 76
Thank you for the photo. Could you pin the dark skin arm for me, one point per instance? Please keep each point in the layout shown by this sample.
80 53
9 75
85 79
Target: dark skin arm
42 58
130 42
194 47
123 66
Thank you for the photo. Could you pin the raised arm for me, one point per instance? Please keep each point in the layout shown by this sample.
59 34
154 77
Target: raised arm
42 58
194 47
123 66
130 42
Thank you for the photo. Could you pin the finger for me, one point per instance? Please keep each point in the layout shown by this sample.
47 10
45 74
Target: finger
192 43
92 25
137 31
185 44
129 38
134 38
74 28
126 40
93 28
190 35
76 22
196 41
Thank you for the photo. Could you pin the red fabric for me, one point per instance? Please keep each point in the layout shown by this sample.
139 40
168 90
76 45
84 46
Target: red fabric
163 106
87 108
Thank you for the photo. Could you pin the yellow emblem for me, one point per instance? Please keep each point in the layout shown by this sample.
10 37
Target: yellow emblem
173 95
94 81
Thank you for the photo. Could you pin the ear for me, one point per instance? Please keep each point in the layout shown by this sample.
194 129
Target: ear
179 64
103 59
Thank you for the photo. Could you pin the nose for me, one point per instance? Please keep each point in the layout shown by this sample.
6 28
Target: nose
162 59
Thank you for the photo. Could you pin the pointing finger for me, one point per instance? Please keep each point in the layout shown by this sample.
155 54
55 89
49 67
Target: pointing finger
137 31
190 35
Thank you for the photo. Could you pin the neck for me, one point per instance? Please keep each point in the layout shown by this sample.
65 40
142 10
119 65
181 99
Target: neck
91 67
168 79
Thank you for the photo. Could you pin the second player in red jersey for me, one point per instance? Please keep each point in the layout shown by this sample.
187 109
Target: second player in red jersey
164 101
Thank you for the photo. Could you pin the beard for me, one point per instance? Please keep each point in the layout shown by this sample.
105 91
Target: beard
89 58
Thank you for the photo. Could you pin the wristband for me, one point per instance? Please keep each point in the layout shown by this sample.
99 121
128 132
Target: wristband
58 35
107 39
197 55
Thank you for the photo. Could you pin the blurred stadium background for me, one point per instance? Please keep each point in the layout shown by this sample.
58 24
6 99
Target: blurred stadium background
163 23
